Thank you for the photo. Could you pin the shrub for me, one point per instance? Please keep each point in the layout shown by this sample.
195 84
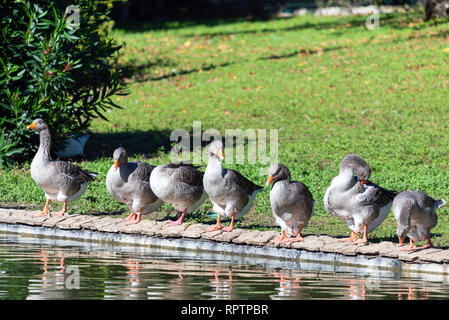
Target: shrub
53 68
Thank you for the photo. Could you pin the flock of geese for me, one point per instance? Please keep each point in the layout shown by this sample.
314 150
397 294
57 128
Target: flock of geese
361 204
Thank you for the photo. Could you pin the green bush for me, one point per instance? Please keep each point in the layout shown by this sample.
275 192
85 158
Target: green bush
53 68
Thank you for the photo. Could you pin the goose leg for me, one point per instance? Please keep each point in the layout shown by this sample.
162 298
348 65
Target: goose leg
217 226
136 218
353 237
281 239
365 236
45 212
64 209
411 247
132 216
180 219
298 236
429 242
231 226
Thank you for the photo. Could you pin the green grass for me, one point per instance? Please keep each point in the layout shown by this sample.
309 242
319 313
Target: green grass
330 86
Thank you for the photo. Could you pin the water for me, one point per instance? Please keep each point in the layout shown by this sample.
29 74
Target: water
39 268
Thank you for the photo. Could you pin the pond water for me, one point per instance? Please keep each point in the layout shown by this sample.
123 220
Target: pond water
43 268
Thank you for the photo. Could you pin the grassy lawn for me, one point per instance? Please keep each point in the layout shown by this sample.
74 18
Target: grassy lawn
328 85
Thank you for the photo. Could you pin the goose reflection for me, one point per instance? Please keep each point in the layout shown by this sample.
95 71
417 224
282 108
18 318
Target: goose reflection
51 284
356 289
289 286
222 287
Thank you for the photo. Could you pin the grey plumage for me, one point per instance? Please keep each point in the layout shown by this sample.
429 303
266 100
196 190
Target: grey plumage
180 184
230 192
355 199
61 180
129 183
415 214
291 202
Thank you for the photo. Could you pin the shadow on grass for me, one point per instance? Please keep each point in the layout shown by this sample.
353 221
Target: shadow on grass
139 73
144 143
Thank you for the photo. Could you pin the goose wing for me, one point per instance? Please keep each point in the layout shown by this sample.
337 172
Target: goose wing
187 173
378 195
141 171
247 186
75 172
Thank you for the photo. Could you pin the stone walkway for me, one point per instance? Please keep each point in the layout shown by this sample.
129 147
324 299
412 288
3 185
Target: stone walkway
161 229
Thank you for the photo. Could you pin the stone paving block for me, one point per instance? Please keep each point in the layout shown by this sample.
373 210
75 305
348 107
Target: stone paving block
390 250
263 237
27 218
194 231
371 249
168 231
14 216
5 216
310 243
272 243
75 222
209 235
151 229
328 239
228 236
343 247
145 224
434 255
113 227
53 220
246 236
409 256
99 224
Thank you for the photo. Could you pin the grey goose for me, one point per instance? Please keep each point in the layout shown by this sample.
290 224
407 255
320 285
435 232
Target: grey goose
361 204
180 184
231 194
291 202
415 214
62 181
129 183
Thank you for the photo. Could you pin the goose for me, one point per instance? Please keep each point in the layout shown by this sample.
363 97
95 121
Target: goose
62 181
231 194
129 183
180 184
415 214
291 202
362 204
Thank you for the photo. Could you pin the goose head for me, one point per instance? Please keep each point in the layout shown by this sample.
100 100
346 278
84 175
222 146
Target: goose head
120 157
216 150
357 165
38 125
278 172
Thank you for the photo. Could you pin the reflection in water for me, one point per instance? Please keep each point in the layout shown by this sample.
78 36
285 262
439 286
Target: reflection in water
33 268
222 285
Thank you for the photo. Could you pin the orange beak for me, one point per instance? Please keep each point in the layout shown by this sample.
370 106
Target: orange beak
270 179
221 154
401 241
115 165
32 126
